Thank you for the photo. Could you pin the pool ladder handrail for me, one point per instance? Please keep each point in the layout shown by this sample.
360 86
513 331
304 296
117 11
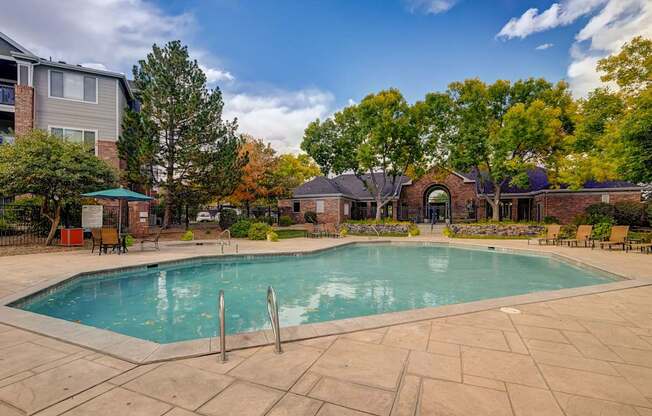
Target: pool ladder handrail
272 310
222 327
221 235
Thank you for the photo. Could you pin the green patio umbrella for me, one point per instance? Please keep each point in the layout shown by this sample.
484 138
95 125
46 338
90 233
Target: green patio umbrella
119 194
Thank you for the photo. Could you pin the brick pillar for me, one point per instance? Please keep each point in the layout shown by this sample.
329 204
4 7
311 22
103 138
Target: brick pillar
138 226
394 210
107 150
514 209
24 116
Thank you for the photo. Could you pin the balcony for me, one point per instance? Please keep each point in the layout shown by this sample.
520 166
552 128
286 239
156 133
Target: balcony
7 95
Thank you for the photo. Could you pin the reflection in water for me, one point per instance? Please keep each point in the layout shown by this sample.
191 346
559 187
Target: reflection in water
179 302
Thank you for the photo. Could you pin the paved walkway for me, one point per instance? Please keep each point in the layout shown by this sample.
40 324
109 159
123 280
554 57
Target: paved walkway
588 355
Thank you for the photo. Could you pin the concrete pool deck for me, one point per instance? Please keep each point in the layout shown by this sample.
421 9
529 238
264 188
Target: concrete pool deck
581 355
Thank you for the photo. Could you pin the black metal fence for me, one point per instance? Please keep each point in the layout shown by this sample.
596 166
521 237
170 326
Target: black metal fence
22 224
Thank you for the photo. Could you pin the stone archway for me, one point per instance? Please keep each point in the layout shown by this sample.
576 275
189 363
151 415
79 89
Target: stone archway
437 204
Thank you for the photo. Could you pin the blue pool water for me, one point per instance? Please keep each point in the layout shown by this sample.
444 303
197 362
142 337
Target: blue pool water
179 302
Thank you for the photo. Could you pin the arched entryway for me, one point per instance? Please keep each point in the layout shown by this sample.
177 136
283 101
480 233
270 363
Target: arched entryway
437 204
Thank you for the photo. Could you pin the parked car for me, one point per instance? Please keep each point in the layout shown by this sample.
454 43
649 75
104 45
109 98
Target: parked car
204 216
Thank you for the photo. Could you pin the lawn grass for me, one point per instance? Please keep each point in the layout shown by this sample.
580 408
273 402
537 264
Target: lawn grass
285 234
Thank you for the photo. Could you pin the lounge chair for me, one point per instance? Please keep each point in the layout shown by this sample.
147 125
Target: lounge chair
583 235
618 237
312 230
330 230
151 239
552 234
109 239
642 247
96 236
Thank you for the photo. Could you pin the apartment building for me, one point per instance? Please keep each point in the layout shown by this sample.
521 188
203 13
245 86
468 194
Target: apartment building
82 105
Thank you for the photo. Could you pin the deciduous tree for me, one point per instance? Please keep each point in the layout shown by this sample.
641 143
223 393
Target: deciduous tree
56 171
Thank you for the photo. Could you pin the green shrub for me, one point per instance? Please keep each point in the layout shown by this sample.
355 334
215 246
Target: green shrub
600 210
310 216
550 220
129 240
648 213
240 229
258 231
344 231
228 217
188 236
580 219
568 231
629 213
413 230
601 231
448 232
272 236
285 221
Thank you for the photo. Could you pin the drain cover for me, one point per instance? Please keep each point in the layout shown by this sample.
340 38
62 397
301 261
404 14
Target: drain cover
511 311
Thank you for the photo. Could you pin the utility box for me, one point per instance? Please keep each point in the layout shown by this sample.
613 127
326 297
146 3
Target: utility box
72 237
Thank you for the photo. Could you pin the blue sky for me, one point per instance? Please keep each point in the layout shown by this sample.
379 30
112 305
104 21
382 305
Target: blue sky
282 63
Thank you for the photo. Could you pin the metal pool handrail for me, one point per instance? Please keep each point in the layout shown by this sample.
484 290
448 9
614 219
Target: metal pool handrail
228 237
222 327
272 310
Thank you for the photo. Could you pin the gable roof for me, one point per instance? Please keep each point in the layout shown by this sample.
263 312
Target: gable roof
14 47
538 181
348 185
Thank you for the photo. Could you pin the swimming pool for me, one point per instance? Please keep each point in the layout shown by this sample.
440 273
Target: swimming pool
177 302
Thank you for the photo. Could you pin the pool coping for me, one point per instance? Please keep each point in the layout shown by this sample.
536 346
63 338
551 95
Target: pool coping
140 351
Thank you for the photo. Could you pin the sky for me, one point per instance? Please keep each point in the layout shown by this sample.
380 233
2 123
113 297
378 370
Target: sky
281 64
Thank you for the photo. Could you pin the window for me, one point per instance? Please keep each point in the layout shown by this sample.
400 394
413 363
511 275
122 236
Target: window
605 198
79 136
296 206
23 75
73 86
346 208
319 208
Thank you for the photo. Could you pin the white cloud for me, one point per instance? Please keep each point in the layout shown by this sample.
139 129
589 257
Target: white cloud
278 117
611 24
95 65
213 75
106 34
429 6
544 46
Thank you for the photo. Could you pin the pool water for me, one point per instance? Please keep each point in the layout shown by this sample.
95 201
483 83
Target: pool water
179 302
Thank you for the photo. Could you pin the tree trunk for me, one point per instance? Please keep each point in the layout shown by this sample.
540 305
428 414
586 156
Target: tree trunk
55 224
496 207
379 207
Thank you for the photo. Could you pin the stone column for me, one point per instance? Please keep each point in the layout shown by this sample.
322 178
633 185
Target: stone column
514 209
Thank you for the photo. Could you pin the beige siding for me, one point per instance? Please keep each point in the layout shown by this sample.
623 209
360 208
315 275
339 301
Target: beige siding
122 105
67 113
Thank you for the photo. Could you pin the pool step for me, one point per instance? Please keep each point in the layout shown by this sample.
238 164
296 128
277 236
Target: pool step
434 230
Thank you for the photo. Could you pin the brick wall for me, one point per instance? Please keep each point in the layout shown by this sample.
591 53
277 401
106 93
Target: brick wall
460 192
24 116
333 209
565 206
107 150
137 227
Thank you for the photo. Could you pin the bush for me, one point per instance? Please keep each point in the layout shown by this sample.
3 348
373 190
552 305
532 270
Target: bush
228 217
550 220
568 231
259 231
580 219
188 236
272 236
240 229
344 232
129 240
601 231
285 221
310 216
413 230
648 213
629 213
600 210
448 232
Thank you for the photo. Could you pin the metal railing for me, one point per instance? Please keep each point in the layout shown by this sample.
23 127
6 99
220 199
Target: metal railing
272 310
222 327
225 234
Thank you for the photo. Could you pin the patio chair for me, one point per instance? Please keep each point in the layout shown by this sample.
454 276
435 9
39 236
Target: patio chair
151 239
552 234
312 230
618 237
110 239
96 236
330 230
583 235
642 247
